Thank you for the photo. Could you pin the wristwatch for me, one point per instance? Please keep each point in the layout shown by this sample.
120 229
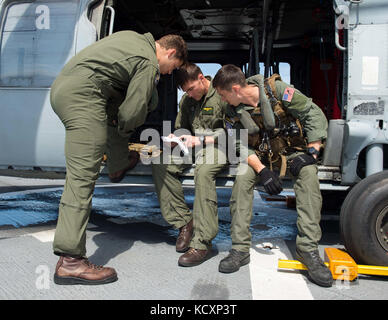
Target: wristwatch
312 151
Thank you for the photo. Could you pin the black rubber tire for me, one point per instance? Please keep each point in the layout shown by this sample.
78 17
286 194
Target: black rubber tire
363 208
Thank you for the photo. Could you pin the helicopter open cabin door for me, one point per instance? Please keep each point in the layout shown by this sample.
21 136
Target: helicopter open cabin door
37 38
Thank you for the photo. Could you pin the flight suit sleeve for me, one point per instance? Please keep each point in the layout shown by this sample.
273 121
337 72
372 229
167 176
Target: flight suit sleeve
218 123
217 133
242 148
214 122
136 105
303 108
182 120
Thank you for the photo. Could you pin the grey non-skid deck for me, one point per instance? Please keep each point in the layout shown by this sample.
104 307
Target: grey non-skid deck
126 231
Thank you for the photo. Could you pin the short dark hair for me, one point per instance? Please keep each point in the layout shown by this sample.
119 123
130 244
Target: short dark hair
189 72
173 41
228 76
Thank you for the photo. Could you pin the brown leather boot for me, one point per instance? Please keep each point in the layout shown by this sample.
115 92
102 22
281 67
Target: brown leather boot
71 270
117 176
193 257
184 237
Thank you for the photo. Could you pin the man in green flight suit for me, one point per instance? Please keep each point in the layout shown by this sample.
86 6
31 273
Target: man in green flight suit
244 94
101 95
201 114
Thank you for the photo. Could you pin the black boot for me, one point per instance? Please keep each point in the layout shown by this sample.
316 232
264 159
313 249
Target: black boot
234 261
317 270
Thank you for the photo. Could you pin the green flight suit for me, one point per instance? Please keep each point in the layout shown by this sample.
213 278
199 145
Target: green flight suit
306 184
101 95
204 117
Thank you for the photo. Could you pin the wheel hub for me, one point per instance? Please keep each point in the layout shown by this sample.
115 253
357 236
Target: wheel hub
382 228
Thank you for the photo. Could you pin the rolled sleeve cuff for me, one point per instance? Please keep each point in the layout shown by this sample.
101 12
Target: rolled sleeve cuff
316 135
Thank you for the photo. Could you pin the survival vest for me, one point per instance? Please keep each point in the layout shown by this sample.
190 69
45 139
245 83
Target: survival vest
287 137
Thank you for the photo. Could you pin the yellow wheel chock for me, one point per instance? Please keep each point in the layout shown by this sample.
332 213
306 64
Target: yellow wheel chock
341 265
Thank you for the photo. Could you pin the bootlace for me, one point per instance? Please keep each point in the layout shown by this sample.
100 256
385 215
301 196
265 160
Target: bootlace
234 255
92 265
315 255
316 259
180 235
194 251
182 231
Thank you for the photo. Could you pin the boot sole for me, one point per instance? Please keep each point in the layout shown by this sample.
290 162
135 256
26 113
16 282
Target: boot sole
243 262
74 280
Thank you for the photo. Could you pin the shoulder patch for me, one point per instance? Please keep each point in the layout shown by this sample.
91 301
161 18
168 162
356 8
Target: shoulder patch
288 94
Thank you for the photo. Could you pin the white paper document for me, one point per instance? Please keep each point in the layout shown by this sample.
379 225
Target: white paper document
178 141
